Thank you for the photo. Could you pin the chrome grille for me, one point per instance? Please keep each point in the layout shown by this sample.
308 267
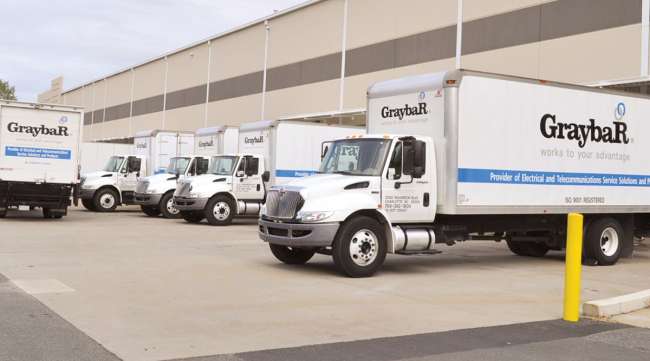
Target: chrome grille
183 189
142 186
283 204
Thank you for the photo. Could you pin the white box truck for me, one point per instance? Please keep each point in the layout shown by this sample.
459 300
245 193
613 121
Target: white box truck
268 153
104 190
155 193
464 155
39 156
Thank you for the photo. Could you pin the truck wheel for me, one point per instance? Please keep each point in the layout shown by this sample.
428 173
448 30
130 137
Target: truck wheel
88 204
528 249
360 247
150 211
105 200
48 214
604 241
192 217
290 255
167 206
219 211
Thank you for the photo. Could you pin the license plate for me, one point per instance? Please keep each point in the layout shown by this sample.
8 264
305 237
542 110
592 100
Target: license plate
23 208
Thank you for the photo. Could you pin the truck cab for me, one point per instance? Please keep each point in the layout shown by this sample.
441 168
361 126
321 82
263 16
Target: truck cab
115 184
155 193
365 184
233 186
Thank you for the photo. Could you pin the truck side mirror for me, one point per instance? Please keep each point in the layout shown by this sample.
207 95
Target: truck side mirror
391 173
419 159
414 157
252 165
239 173
325 146
133 164
266 176
202 166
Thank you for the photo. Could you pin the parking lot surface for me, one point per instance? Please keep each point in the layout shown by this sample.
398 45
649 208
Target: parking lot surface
156 289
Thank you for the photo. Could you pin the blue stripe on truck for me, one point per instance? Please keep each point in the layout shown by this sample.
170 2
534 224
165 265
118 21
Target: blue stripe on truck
294 173
531 177
26 152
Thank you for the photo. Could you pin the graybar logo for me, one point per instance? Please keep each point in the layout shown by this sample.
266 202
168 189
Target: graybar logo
60 131
206 143
254 140
405 111
582 133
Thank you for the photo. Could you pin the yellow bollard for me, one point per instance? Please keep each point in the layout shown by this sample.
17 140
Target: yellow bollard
573 268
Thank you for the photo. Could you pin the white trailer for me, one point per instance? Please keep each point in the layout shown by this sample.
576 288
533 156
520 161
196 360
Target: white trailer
39 156
269 152
155 193
216 140
464 155
94 154
104 190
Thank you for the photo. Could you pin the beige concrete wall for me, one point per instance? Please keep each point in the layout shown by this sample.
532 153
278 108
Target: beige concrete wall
309 33
520 60
310 98
149 80
115 129
119 89
372 21
188 68
476 9
600 55
185 118
239 53
99 91
235 111
357 86
146 122
74 97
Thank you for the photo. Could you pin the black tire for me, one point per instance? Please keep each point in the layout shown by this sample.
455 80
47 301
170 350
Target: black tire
528 249
88 204
167 210
3 214
599 243
150 211
220 210
192 217
49 214
290 255
369 230
100 200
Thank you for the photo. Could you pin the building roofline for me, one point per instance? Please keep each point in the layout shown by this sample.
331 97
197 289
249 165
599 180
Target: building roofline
222 34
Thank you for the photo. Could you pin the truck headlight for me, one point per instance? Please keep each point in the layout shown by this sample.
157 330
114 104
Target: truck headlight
86 186
310 217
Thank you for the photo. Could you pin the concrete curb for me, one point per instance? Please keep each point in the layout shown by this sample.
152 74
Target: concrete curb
617 305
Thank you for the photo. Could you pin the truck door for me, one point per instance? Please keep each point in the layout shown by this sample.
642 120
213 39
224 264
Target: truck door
404 197
129 174
248 179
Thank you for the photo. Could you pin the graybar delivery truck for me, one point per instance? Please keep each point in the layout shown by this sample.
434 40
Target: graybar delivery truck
39 157
463 155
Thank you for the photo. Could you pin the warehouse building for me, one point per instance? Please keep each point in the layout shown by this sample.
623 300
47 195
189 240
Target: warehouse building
316 60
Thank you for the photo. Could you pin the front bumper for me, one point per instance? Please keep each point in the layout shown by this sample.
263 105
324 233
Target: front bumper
147 199
298 234
190 204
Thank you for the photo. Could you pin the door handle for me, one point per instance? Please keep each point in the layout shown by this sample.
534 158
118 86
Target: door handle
425 200
258 187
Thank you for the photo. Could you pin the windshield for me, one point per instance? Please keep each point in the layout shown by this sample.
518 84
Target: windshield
223 165
114 164
356 157
178 165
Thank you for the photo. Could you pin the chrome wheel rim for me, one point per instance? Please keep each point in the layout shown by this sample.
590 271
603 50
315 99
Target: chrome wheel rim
221 211
363 247
170 207
609 241
107 201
